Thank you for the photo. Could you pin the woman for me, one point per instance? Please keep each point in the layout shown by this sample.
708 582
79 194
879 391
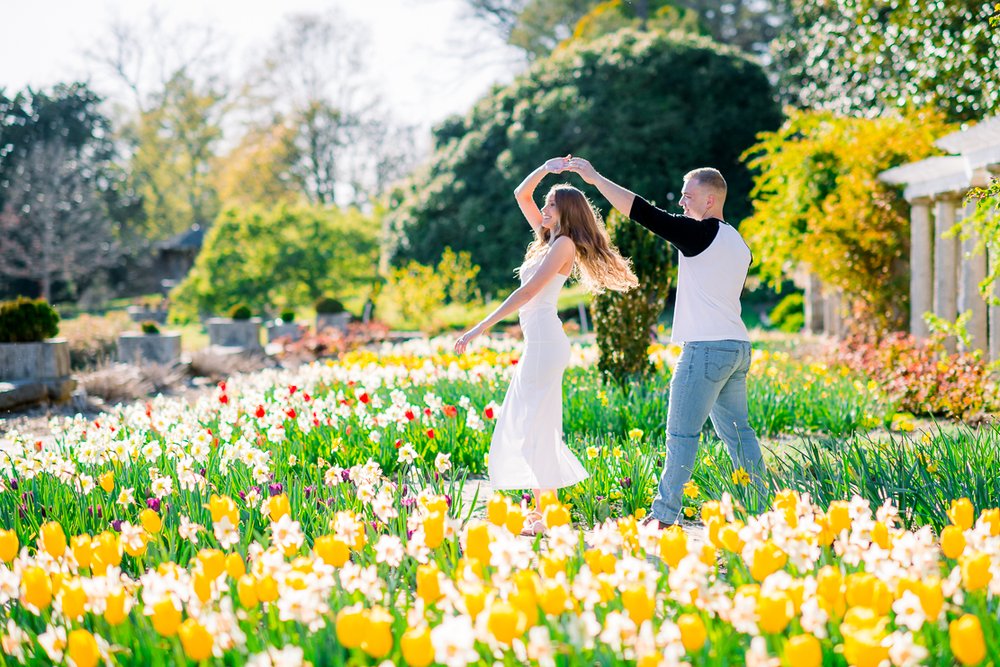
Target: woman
527 450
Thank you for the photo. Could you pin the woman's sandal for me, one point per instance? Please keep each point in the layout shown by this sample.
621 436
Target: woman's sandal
536 525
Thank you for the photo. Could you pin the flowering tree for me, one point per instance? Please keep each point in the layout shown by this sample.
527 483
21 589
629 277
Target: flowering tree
818 202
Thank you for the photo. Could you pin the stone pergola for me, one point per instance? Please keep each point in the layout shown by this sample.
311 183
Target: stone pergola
944 272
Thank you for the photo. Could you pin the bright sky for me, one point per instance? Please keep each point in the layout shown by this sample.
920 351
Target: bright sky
428 57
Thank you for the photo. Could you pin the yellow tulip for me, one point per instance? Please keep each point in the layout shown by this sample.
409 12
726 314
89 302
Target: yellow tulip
496 510
474 596
73 599
839 515
107 552
246 589
880 535
693 632
866 590
639 604
931 597
278 506
477 541
114 610
434 530
166 617
8 545
556 514
775 611
976 571
804 651
506 622
223 506
82 648
952 541
36 587
352 625
515 519
549 498
992 519
107 481
729 537
202 585
709 509
53 538
235 567
82 548
334 552
830 589
428 586
213 562
767 559
377 641
965 635
553 597
961 513
418 651
196 640
552 565
267 588
673 545
151 521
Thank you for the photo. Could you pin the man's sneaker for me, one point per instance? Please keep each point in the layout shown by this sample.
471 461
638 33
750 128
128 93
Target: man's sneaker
660 525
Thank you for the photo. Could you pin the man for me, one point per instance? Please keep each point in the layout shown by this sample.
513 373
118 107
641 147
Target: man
710 377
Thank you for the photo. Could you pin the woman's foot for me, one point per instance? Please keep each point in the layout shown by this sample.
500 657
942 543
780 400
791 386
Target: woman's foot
533 524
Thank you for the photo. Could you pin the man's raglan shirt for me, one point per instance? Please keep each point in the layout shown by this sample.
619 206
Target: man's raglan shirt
711 271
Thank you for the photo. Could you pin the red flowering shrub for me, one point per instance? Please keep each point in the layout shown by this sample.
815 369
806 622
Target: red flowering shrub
922 377
332 342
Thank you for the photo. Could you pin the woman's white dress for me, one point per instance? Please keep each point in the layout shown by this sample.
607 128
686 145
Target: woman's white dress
527 450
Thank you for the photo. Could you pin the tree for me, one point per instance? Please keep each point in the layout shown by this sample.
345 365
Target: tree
869 56
645 107
623 320
818 203
345 146
282 257
53 225
538 26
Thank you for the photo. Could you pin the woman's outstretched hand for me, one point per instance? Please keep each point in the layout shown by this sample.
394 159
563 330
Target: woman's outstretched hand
580 166
557 165
463 341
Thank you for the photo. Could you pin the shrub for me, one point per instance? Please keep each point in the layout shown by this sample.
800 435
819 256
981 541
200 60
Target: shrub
624 320
922 377
789 314
26 320
328 306
150 328
93 339
240 312
287 316
416 295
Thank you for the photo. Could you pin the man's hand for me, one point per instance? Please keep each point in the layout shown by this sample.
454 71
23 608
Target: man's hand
582 167
557 165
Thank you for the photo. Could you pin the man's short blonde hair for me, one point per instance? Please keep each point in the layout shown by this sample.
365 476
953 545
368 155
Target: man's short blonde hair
708 177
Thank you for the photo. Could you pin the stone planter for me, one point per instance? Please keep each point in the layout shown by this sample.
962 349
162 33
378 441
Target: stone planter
332 321
285 329
32 372
137 348
226 332
141 314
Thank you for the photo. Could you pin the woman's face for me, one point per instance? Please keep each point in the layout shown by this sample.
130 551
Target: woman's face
550 214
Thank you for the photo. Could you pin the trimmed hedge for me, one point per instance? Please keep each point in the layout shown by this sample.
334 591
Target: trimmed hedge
26 320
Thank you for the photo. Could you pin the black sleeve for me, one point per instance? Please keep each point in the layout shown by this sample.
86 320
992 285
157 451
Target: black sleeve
690 236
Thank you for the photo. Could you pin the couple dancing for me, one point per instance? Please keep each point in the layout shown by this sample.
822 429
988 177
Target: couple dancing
527 450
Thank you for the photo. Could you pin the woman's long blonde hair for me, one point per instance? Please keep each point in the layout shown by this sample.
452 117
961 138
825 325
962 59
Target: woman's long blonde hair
599 266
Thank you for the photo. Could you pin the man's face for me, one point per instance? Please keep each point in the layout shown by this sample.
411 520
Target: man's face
696 199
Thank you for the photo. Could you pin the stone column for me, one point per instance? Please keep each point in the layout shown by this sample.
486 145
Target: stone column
993 312
972 271
921 266
833 316
945 263
813 302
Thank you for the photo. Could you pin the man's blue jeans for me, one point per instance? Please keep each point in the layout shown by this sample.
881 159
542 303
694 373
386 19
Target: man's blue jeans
710 380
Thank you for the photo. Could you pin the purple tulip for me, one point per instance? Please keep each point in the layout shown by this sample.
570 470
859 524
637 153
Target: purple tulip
117 525
447 499
309 490
409 501
626 482
345 475
242 495
13 485
153 504
275 489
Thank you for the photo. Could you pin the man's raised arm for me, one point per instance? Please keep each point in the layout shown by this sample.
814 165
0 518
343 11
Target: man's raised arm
619 197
